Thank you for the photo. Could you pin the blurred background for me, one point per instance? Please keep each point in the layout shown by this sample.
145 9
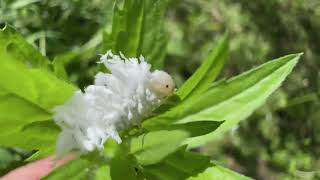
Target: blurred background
281 140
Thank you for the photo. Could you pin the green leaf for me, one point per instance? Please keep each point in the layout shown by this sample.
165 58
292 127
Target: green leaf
14 45
26 85
194 129
78 169
150 148
37 86
124 166
34 136
31 93
231 100
202 79
103 173
216 172
179 165
138 28
154 37
121 168
24 73
25 112
60 62
238 97
126 28
28 88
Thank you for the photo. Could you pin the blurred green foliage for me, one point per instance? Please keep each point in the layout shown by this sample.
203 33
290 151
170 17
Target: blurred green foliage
281 140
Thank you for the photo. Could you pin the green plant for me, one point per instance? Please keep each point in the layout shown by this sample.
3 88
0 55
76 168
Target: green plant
201 109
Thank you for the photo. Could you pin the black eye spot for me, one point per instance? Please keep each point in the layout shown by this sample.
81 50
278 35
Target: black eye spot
167 86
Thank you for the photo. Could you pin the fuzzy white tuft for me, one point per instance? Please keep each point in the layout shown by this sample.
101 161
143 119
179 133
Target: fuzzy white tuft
115 102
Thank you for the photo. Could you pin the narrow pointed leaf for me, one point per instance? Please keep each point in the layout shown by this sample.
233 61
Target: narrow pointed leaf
126 28
138 29
231 100
238 97
204 76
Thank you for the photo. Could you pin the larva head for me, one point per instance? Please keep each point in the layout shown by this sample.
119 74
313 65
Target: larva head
162 84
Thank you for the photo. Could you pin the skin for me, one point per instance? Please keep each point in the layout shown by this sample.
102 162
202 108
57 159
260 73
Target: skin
36 170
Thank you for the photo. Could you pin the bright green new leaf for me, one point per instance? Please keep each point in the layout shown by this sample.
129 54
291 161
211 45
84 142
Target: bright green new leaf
31 94
37 86
137 29
28 88
26 84
216 172
150 148
178 165
202 79
24 73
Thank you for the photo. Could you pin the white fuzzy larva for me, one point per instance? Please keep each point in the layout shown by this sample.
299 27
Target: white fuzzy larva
162 84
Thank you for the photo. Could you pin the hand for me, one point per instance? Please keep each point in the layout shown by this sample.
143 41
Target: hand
36 170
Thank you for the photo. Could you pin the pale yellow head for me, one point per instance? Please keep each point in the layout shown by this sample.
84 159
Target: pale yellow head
162 84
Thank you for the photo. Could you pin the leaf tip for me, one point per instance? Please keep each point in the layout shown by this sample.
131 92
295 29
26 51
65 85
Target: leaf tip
221 122
298 55
3 26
